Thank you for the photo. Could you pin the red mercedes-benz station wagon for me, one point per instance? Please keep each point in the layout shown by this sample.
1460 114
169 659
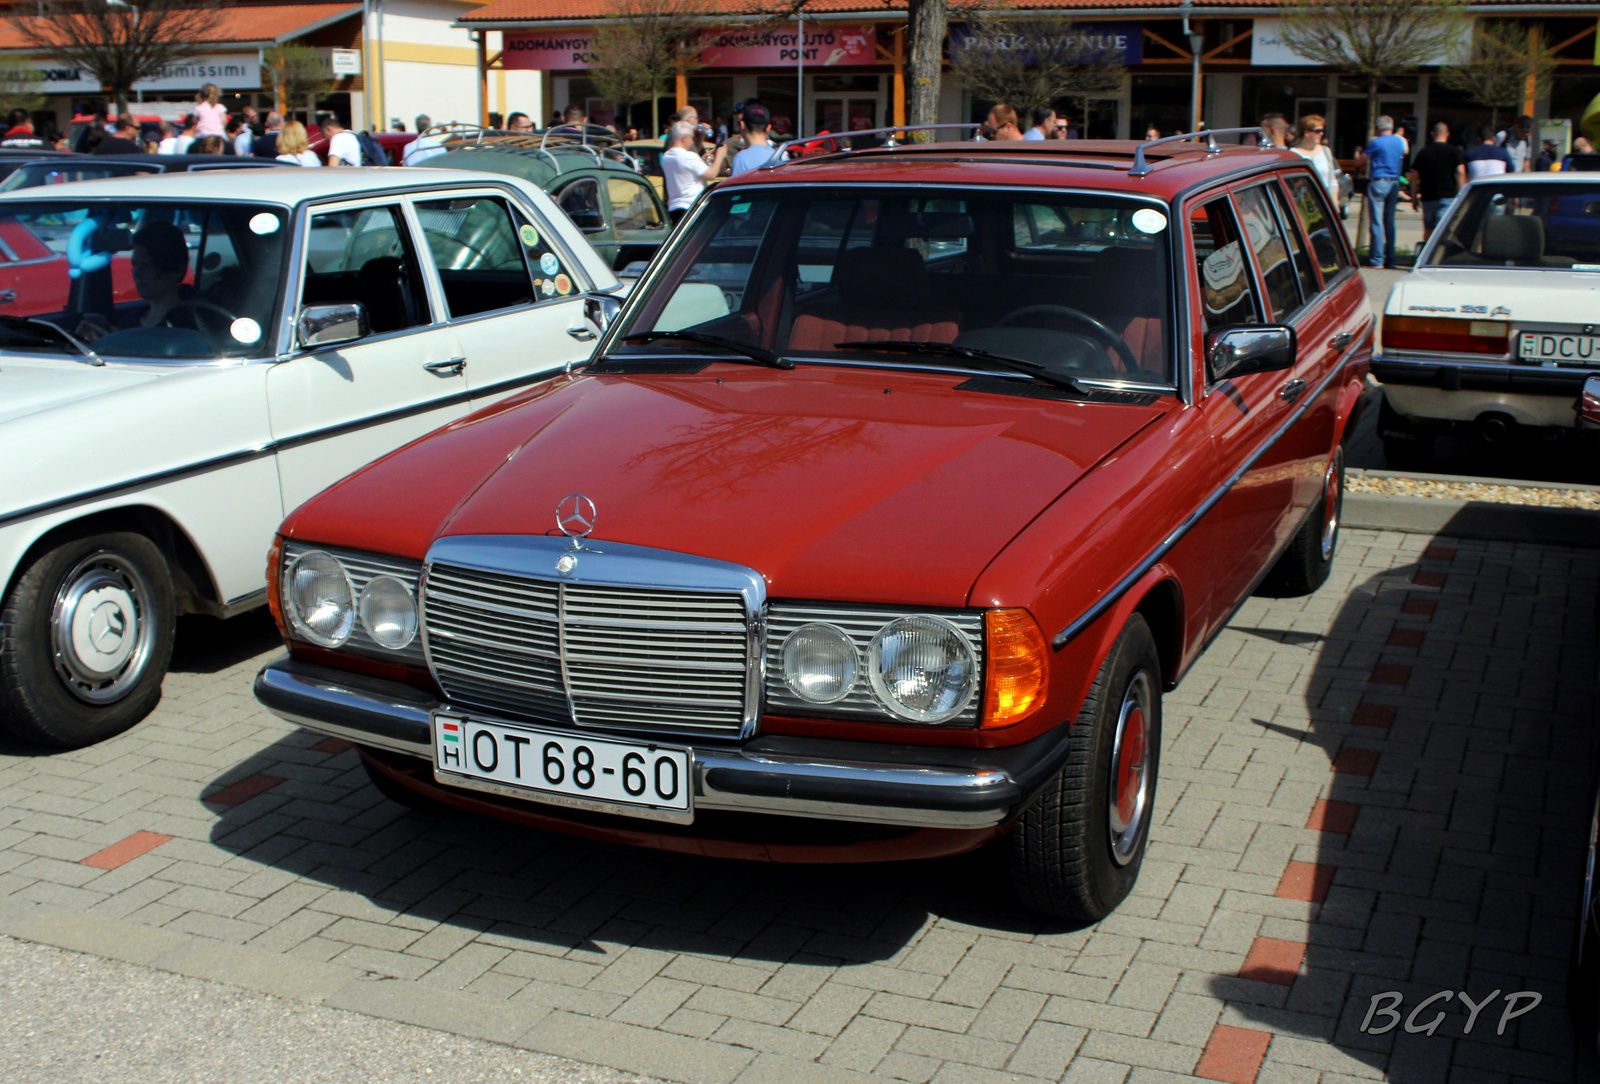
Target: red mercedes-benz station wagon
887 507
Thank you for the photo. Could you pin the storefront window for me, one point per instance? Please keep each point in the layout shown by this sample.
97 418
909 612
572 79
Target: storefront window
776 92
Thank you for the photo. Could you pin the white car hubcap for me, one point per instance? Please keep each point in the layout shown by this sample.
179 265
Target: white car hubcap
101 627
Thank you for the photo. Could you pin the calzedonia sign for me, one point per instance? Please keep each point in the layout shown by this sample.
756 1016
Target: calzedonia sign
727 47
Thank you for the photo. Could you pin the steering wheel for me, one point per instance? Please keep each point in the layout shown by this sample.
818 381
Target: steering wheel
1097 331
201 306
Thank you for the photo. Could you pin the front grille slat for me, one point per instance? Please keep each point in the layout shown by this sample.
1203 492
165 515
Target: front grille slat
670 662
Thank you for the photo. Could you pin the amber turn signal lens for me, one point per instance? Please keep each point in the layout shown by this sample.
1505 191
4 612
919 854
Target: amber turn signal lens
1017 667
274 584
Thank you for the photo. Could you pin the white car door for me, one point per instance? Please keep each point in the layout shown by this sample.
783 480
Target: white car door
336 408
514 295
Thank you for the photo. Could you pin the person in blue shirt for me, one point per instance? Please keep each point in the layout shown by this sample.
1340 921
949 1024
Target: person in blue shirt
1385 156
760 151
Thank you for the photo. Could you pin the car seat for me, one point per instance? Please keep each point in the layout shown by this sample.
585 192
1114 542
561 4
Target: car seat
882 293
1518 241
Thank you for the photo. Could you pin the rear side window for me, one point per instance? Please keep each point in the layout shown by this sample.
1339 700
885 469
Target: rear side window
478 247
631 205
1318 223
581 201
1265 236
1223 269
1304 270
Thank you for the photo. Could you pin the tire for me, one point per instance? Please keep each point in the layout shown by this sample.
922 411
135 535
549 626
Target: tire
1072 855
1405 447
1304 566
1583 965
85 640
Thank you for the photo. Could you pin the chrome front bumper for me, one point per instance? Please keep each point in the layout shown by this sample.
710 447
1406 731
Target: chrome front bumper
902 785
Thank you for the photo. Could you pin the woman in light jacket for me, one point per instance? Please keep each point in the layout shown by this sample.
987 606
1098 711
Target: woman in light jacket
293 147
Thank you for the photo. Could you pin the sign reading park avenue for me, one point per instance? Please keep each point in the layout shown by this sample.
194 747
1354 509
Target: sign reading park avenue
1089 43
728 47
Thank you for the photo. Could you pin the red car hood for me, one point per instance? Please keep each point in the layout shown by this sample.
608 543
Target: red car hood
833 483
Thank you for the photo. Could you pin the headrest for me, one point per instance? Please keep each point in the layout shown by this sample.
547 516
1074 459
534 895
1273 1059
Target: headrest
889 278
1514 238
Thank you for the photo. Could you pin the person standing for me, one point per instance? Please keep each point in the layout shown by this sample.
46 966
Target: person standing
180 143
1276 125
1488 159
293 146
1384 156
1437 173
1518 142
20 132
344 149
423 147
266 144
519 122
685 171
1001 124
211 118
1044 125
1310 145
239 131
759 152
124 139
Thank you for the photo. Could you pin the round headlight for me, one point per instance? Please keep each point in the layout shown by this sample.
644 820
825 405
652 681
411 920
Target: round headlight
388 612
923 669
319 600
819 663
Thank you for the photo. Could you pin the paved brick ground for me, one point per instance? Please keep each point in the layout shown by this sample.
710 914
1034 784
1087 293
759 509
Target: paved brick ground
1379 788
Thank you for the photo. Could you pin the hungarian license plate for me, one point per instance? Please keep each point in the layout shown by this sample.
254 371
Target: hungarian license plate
1560 348
562 767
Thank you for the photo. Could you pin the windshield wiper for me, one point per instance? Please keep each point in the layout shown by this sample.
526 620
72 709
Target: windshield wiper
951 350
55 334
754 353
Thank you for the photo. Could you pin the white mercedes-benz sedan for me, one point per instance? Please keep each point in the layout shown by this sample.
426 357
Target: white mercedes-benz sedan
184 359
1499 324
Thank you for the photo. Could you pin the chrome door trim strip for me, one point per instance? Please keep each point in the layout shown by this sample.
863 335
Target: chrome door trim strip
1162 548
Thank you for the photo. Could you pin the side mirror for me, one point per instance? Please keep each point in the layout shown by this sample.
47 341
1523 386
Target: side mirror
601 309
1250 348
329 325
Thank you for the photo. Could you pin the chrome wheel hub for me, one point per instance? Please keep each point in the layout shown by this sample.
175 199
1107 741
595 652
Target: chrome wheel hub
1331 498
100 628
1129 792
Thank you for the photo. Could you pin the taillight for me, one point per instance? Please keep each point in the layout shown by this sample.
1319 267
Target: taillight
1446 336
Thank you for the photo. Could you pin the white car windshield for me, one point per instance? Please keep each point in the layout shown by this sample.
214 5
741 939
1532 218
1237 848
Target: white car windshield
1077 284
1551 226
150 280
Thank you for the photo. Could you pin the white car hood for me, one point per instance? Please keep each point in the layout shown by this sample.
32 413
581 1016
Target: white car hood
29 385
1492 293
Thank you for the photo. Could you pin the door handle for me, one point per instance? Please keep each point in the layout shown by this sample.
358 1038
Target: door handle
1292 390
1341 340
582 334
452 367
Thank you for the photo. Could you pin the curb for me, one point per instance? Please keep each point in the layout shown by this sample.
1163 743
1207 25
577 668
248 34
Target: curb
1473 519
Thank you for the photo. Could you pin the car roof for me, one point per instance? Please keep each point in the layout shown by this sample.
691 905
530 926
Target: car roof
285 187
1078 163
1566 177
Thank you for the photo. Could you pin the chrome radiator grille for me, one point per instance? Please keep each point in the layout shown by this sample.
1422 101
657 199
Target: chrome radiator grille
614 658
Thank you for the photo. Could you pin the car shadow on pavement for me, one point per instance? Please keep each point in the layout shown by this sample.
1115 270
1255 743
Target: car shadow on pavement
320 819
206 645
1454 701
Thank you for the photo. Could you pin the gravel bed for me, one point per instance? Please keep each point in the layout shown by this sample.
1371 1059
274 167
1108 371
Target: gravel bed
1547 496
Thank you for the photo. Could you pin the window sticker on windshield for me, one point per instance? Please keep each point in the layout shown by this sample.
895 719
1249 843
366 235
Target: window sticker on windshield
1149 220
245 330
263 224
530 236
740 208
563 285
549 264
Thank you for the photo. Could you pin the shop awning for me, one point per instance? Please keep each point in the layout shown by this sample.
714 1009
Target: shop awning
252 24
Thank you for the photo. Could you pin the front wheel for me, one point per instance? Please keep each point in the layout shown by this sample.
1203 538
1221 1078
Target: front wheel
85 639
1076 850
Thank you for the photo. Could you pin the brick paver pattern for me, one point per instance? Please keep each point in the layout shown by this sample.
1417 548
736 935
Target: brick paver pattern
1380 787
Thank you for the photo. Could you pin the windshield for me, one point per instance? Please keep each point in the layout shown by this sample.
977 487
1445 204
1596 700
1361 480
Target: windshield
1523 225
1075 283
165 280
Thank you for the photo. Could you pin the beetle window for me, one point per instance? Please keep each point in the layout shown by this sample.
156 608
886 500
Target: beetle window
1272 253
365 256
1309 203
1226 294
632 207
581 201
475 245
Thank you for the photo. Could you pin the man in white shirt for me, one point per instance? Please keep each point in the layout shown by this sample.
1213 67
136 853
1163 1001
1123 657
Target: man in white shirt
685 171
1044 124
424 146
344 149
760 151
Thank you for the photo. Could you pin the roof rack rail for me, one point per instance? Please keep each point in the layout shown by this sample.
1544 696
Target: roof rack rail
1140 167
591 139
781 150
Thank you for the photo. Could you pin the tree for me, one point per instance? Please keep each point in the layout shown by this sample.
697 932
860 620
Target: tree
1028 63
298 74
1374 38
1499 66
644 44
926 23
17 83
121 43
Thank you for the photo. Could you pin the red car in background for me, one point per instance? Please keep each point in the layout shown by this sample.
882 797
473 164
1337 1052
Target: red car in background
903 486
394 145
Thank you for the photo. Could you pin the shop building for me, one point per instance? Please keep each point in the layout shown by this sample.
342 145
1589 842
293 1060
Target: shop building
841 66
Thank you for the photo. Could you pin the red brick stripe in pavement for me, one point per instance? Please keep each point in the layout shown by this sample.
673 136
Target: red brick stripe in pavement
244 790
1355 762
1380 715
1439 553
1419 607
1429 579
1272 960
1399 637
1305 881
1233 1054
125 851
333 745
1331 816
1390 673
